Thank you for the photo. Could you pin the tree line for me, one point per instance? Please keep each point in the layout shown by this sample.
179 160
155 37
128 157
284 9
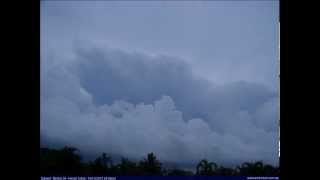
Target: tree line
68 162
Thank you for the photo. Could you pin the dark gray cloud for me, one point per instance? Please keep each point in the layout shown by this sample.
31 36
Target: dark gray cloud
131 103
223 41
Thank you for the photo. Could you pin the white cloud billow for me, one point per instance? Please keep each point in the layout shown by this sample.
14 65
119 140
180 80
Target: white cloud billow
132 104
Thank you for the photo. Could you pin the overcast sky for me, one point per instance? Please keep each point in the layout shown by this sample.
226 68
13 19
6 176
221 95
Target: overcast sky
185 79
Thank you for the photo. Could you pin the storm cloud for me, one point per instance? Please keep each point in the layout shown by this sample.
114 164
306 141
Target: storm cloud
185 79
132 103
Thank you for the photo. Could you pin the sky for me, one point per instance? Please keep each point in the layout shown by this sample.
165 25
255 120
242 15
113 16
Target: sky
185 79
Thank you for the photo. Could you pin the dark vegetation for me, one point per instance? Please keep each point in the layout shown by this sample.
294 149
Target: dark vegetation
67 162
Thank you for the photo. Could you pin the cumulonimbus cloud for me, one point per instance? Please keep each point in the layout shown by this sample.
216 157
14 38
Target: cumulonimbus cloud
113 101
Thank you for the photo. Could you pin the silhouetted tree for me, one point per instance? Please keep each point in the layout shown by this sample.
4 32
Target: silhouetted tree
178 172
67 162
271 171
206 168
151 166
102 165
60 162
128 168
252 169
223 171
